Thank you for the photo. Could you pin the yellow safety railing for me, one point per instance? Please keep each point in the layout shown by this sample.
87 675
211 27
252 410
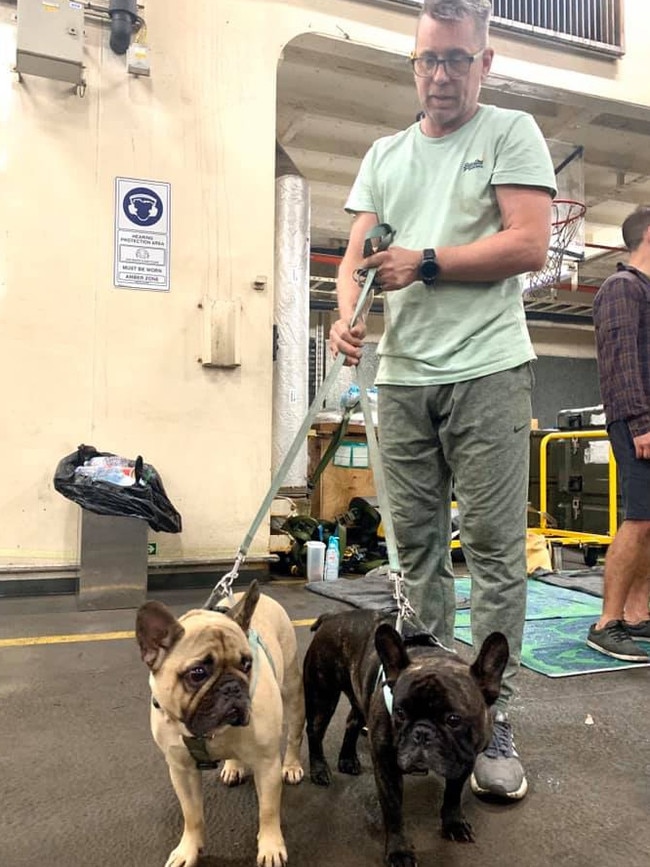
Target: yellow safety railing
543 469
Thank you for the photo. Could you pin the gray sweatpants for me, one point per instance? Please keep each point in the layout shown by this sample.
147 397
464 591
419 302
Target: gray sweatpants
476 435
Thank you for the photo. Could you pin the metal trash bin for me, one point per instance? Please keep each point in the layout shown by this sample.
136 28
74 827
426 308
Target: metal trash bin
113 562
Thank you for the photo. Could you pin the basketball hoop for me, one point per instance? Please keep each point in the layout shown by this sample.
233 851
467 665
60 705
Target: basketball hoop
541 285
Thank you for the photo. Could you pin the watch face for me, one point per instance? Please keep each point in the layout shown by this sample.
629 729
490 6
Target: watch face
429 269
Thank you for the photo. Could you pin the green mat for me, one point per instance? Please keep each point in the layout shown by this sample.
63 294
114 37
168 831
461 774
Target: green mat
557 623
543 602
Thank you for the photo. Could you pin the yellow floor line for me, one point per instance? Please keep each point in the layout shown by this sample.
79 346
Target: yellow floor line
64 639
81 637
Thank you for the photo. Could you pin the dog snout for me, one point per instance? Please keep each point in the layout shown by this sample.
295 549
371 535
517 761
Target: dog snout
422 735
226 703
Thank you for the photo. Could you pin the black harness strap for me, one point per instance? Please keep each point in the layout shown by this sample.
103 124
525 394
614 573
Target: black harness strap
198 749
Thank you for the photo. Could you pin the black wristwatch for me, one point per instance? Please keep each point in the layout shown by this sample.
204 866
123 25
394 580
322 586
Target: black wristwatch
429 268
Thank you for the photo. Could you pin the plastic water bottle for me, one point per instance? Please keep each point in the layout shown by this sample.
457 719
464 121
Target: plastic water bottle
116 475
122 476
350 398
332 556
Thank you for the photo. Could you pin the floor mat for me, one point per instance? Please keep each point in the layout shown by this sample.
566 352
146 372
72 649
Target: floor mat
584 580
557 621
557 648
543 602
366 591
373 591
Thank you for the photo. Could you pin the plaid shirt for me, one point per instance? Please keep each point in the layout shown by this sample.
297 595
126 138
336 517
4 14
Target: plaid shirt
622 321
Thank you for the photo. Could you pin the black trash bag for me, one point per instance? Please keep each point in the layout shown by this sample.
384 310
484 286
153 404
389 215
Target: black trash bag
145 499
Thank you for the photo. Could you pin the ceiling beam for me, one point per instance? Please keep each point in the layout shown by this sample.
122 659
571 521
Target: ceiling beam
596 194
329 168
618 161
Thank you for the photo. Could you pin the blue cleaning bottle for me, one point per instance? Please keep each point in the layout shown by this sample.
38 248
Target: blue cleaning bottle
332 557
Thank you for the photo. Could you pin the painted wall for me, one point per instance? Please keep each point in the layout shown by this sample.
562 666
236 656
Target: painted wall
82 361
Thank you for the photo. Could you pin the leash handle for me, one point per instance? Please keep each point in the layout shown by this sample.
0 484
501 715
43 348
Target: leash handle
377 240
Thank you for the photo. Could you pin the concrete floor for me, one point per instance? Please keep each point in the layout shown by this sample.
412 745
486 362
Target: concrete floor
83 785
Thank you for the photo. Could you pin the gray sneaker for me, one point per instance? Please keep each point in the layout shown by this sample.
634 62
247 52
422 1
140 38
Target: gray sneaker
498 771
615 640
638 631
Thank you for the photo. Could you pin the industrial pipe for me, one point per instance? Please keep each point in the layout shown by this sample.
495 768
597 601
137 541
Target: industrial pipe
123 15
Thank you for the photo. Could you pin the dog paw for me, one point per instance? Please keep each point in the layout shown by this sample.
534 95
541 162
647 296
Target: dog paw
320 774
271 853
186 854
350 765
232 773
292 774
401 859
458 830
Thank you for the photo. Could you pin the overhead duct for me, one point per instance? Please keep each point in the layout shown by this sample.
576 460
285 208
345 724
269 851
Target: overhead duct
291 317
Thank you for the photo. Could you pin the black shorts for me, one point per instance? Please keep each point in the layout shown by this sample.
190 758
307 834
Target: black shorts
633 474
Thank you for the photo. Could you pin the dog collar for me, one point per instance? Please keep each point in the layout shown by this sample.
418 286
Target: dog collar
197 748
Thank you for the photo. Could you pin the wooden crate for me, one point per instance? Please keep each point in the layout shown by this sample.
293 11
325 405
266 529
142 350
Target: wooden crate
337 485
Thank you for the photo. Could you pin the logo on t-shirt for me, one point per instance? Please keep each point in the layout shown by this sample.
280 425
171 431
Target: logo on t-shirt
476 164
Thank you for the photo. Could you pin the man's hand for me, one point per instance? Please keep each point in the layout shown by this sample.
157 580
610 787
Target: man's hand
642 446
347 340
396 268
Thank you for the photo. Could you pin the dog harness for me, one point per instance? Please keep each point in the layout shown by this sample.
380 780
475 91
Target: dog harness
388 692
198 747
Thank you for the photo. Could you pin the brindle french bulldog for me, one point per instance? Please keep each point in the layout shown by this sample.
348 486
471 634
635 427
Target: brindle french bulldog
225 681
427 710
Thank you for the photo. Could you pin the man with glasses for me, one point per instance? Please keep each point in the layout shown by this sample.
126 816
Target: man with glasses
468 190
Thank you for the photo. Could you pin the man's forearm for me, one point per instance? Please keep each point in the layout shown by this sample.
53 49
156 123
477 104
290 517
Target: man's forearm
347 289
497 257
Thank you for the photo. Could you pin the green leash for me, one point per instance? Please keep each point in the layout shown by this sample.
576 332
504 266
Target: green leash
379 238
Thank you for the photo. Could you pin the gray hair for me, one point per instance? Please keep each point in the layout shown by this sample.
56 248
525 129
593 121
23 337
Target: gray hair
635 227
455 10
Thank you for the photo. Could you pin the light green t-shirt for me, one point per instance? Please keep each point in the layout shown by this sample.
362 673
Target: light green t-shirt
439 192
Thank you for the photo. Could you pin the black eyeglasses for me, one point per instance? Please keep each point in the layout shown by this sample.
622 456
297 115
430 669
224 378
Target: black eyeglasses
455 66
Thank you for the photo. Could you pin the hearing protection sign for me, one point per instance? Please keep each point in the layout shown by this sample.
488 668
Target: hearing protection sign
142 229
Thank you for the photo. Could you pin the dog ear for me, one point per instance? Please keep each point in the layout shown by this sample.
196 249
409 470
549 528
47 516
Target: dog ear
242 612
489 666
156 631
392 652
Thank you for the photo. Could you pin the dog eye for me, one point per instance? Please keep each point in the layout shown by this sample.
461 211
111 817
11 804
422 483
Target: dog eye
454 720
197 675
399 714
246 664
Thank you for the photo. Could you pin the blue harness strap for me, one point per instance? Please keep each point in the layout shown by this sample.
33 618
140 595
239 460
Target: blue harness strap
255 641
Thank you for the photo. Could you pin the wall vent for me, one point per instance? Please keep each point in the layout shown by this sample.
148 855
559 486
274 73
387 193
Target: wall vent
595 25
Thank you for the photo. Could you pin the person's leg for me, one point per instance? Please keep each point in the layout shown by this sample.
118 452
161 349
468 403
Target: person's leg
627 567
419 491
638 599
627 564
487 441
